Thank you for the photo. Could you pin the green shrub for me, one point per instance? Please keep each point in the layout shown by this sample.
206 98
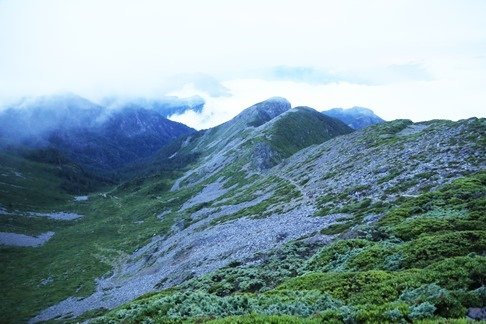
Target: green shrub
264 319
278 265
335 256
436 221
440 299
372 257
337 228
394 315
458 273
465 194
367 287
428 249
202 305
393 262
424 310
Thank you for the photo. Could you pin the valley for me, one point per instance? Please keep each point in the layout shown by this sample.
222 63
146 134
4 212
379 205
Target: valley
280 214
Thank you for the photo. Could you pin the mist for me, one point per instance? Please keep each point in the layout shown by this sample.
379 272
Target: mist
415 60
33 119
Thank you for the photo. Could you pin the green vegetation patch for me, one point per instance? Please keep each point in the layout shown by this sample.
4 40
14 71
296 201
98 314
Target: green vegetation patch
303 127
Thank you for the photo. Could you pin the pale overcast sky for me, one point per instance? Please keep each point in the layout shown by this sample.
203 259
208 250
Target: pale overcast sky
404 59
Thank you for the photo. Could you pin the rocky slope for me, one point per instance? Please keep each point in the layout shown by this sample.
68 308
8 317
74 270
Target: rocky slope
388 197
255 140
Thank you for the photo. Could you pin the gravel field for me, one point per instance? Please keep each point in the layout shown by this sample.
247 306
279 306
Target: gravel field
14 239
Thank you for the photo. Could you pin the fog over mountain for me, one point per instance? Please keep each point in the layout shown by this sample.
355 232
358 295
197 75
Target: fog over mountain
319 54
165 106
96 136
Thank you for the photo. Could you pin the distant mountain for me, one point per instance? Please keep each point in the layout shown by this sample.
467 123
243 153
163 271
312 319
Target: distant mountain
87 133
31 120
206 145
242 126
356 117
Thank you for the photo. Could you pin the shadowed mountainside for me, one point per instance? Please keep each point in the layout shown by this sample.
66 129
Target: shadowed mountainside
96 138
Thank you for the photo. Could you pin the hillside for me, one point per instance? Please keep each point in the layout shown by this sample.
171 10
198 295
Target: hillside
399 226
387 271
281 214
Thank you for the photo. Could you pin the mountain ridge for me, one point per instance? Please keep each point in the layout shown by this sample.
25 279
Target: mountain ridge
225 215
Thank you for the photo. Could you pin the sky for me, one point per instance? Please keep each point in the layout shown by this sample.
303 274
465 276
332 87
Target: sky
404 59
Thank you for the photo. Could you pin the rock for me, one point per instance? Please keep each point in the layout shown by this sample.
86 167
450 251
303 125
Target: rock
57 215
46 281
477 313
262 157
209 193
15 239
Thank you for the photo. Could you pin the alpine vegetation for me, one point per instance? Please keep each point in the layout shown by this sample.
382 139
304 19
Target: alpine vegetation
280 214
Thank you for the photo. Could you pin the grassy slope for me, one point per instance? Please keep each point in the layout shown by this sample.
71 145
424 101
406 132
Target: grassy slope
302 127
81 250
423 260
25 184
115 223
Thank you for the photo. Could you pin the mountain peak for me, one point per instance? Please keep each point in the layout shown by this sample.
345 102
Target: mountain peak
264 111
277 99
360 110
301 127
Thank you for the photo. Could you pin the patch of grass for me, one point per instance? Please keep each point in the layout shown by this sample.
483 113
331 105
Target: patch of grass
385 133
304 127
392 174
329 175
402 186
81 250
28 185
31 225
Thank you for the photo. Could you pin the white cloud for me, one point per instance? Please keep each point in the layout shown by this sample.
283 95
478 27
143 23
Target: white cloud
411 51
416 100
